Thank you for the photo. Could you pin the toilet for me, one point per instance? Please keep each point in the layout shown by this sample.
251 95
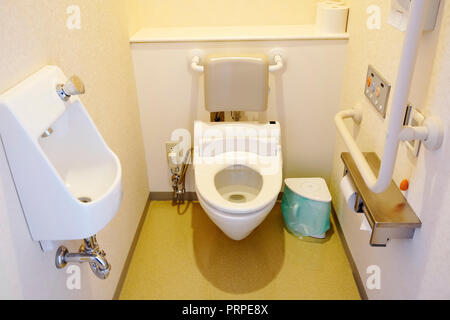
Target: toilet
238 165
237 187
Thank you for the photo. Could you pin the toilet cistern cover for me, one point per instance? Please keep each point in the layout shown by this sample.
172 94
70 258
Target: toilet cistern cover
315 189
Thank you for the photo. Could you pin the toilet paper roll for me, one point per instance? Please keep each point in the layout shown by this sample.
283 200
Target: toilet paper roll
349 192
332 17
320 11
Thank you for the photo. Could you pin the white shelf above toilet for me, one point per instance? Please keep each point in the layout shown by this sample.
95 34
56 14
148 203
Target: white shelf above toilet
234 33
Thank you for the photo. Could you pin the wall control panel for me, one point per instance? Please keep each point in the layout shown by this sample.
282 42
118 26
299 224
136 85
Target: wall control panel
377 90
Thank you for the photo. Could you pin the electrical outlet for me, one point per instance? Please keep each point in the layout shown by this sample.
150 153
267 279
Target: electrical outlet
171 146
173 154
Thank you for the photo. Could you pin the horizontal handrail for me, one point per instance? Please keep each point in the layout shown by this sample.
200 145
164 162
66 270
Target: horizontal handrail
431 133
278 59
366 172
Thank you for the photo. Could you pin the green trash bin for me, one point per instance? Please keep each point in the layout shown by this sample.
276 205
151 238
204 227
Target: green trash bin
306 207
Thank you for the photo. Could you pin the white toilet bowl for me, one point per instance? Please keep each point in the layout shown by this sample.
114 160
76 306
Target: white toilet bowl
238 189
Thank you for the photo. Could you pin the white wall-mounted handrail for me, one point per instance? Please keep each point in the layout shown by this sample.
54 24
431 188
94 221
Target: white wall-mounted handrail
431 133
278 59
360 161
195 65
279 64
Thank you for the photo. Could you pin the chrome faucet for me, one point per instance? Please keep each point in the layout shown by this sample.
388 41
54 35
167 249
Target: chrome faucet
73 87
89 252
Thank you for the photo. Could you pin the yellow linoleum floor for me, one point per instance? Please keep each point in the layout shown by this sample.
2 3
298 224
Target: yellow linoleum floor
181 254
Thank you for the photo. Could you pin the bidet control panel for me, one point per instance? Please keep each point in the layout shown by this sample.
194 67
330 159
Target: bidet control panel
377 90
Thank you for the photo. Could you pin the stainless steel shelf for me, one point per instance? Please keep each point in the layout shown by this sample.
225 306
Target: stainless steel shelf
389 214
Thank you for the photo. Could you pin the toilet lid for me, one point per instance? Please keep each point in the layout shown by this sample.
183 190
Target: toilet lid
315 189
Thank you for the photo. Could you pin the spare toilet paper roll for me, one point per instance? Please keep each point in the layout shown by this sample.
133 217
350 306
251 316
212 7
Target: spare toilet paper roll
332 17
349 192
325 3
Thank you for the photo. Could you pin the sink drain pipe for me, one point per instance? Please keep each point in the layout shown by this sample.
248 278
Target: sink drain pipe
89 252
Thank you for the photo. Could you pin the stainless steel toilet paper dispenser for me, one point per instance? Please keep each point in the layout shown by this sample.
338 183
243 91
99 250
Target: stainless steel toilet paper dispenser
388 213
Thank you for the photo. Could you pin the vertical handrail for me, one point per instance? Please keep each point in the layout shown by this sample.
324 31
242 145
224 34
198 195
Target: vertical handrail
403 85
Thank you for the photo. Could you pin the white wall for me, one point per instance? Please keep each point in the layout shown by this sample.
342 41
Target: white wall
33 34
416 268
304 99
189 13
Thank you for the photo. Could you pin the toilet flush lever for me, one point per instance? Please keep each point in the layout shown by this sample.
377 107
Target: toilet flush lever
73 87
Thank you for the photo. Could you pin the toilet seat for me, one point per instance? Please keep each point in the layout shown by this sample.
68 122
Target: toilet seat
271 185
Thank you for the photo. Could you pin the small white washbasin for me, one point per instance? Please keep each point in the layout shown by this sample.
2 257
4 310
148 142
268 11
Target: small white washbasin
70 182
81 158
